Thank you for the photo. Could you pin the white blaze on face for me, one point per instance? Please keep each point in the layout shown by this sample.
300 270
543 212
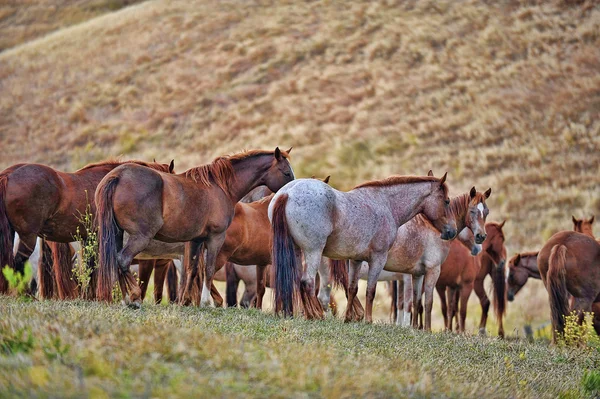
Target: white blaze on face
480 207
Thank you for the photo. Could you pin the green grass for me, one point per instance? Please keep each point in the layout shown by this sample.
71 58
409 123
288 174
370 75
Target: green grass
90 349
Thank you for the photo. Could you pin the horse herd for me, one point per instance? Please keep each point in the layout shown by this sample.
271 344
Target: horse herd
301 235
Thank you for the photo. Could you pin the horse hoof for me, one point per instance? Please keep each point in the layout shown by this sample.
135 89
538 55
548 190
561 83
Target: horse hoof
482 332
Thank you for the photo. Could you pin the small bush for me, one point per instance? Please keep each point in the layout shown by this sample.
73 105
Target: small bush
88 254
18 282
579 335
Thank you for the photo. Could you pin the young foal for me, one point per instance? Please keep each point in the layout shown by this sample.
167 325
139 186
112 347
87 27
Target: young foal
521 267
37 200
359 225
196 206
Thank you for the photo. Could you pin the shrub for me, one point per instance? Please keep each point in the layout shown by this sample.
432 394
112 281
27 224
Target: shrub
87 261
18 282
579 335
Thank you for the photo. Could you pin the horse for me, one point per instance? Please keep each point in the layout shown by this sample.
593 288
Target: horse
569 263
37 200
164 269
360 225
523 266
419 251
493 263
459 271
195 207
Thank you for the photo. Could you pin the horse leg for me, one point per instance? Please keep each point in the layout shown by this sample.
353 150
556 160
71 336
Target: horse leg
442 294
485 304
431 277
324 285
376 264
261 283
581 305
352 310
161 268
451 295
465 293
25 249
312 306
192 253
417 282
136 244
144 272
407 296
213 246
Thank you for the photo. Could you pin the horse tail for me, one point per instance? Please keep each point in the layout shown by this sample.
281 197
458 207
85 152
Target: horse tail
108 270
232 285
499 287
46 282
394 306
557 287
62 263
338 273
286 270
172 282
7 234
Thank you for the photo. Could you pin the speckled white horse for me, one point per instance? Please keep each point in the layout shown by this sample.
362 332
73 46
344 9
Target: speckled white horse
359 225
419 252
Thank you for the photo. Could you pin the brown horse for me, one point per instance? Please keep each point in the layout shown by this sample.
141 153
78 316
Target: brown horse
459 272
521 267
569 263
584 226
164 269
195 207
493 263
37 200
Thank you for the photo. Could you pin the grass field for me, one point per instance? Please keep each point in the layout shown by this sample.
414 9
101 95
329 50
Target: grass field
77 349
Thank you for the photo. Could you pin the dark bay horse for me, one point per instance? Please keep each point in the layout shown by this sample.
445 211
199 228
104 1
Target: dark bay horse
459 272
569 263
359 225
195 207
493 263
37 200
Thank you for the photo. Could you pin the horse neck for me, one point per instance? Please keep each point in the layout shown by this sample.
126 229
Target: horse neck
248 174
587 230
458 208
531 266
404 200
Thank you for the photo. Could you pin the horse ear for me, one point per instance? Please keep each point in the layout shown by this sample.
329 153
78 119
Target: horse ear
488 192
154 160
517 259
473 192
501 225
443 179
278 154
430 173
172 166
327 179
575 221
591 221
290 150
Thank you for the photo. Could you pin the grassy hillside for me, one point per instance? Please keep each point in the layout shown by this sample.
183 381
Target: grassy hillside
503 95
75 349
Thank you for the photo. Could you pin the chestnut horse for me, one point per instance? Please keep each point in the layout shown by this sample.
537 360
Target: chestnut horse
493 263
419 251
569 263
195 207
37 200
359 225
458 274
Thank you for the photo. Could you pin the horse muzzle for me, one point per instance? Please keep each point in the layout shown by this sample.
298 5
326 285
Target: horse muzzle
501 264
510 296
449 233
480 238
476 249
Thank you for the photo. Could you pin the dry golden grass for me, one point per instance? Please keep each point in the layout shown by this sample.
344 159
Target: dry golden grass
500 95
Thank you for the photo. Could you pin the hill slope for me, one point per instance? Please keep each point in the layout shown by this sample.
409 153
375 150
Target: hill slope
506 96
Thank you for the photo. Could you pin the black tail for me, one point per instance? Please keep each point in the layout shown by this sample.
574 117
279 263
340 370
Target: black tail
46 283
499 287
233 283
108 234
7 236
557 288
286 268
172 282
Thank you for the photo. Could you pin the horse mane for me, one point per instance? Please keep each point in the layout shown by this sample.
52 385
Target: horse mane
220 170
396 180
117 162
456 204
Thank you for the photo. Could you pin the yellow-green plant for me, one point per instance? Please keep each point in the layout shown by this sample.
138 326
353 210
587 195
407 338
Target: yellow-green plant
579 335
87 260
18 282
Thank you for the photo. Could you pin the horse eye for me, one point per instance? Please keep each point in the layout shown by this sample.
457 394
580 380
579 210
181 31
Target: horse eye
447 202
